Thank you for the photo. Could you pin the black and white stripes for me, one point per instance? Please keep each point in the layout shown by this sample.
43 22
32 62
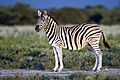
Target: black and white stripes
72 38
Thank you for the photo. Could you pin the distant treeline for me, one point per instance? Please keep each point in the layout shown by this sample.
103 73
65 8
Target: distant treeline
23 14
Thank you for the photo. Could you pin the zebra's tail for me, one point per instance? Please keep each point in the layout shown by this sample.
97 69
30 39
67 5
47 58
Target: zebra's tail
105 42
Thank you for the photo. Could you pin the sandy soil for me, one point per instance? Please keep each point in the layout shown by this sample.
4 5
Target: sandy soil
65 72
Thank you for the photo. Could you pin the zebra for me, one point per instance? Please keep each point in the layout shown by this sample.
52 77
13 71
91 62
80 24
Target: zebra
72 38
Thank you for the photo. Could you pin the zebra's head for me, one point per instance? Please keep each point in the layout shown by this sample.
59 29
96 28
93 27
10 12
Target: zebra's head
42 21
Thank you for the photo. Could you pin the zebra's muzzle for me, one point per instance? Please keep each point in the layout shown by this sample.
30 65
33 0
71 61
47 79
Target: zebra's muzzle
37 28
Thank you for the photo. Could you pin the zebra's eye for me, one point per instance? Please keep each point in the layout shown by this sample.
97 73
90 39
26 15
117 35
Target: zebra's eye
43 19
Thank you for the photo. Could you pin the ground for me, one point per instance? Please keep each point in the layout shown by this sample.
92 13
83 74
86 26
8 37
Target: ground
65 72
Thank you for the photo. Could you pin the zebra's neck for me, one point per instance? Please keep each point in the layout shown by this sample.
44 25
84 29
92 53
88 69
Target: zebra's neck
51 28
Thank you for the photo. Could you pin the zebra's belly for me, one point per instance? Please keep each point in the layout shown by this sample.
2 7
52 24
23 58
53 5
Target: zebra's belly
72 48
75 46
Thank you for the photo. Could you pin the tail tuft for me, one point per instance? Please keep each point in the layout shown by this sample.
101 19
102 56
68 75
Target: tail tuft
105 42
106 45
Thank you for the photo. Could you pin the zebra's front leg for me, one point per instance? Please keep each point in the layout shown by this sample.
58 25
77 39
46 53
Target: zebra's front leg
60 59
56 59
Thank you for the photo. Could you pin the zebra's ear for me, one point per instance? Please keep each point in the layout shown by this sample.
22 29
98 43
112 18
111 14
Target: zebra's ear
45 12
39 13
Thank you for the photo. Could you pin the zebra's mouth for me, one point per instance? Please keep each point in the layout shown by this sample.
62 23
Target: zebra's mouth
37 29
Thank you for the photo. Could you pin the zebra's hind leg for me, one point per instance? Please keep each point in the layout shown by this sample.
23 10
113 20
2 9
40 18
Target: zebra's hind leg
98 55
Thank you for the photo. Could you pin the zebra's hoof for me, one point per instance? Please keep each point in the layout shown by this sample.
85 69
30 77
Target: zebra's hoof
60 69
95 71
54 70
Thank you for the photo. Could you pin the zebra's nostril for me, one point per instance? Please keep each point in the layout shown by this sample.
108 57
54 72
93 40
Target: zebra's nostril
37 26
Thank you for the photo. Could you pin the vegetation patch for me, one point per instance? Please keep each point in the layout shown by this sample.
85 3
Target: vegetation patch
29 50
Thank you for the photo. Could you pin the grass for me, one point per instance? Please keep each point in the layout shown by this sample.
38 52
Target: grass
17 45
22 47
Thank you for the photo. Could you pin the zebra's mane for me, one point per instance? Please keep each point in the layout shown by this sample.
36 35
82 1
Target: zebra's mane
53 18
